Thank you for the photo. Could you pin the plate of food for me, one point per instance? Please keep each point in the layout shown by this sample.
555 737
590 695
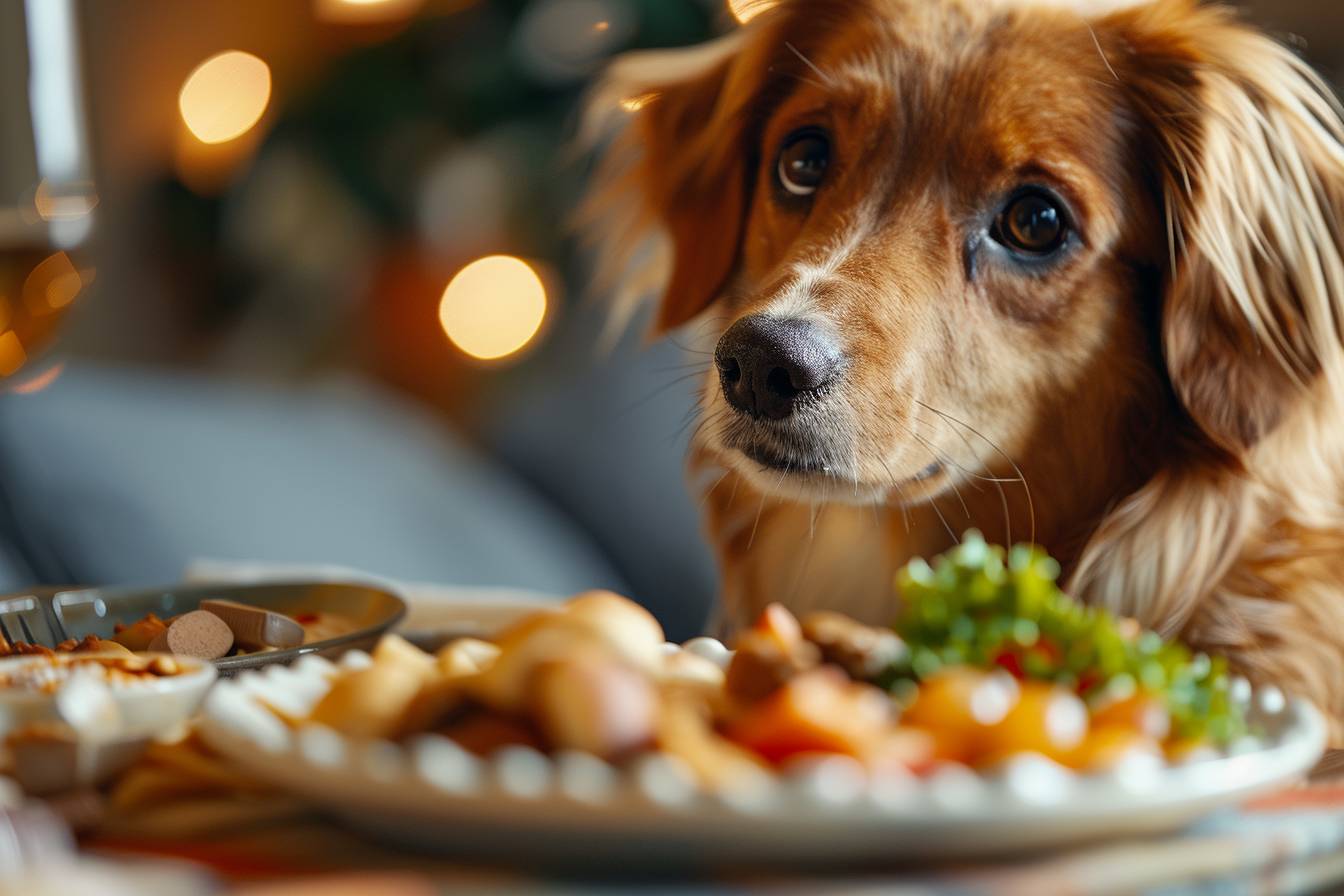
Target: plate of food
234 626
995 715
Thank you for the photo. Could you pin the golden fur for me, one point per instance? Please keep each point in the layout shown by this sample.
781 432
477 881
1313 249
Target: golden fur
1161 409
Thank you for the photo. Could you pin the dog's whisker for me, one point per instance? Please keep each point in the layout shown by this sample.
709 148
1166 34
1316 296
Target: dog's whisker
943 459
972 474
1026 488
701 366
664 388
732 496
700 428
756 525
804 78
707 423
827 80
717 483
900 496
803 567
686 348
1100 51
933 503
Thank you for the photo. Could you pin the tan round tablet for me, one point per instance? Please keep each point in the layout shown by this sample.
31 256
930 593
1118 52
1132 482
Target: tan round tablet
200 634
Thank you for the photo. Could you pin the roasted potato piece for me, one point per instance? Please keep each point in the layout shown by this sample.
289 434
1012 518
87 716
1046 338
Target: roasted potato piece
466 656
627 627
686 732
594 703
373 702
484 733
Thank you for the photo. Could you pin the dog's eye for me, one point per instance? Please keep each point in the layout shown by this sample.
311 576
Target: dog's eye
802 162
1033 224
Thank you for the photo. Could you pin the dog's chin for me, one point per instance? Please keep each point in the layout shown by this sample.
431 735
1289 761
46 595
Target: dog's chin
804 477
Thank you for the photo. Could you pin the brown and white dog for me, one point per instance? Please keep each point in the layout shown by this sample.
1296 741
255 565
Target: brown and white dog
1062 270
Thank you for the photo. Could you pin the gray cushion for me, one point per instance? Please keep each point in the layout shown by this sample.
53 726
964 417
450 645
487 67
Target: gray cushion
121 476
603 432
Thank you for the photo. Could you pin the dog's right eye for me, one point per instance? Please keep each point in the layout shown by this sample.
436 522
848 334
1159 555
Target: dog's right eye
803 160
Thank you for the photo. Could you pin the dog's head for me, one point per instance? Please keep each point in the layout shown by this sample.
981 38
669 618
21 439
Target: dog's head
936 235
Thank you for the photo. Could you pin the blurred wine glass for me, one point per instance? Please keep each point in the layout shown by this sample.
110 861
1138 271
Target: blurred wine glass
47 197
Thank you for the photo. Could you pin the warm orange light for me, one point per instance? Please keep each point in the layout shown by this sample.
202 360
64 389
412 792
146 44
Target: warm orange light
493 307
635 103
225 96
52 284
12 355
746 10
362 12
603 25
41 381
71 202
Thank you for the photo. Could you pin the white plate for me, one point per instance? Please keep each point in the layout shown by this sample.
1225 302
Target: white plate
522 806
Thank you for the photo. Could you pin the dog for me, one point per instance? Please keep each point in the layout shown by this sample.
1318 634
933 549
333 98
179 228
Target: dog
1063 271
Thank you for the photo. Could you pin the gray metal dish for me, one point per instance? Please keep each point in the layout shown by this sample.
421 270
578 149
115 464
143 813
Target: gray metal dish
51 615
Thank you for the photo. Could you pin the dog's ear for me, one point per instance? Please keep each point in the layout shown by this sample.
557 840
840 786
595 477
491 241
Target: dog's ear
680 166
1250 164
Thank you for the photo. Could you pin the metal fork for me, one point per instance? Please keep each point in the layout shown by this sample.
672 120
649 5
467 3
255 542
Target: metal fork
24 628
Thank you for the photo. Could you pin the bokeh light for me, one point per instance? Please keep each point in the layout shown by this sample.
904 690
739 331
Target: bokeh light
635 103
493 307
746 10
225 96
12 355
41 381
365 12
563 41
64 203
53 283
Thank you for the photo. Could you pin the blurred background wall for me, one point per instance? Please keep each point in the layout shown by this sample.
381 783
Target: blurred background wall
435 127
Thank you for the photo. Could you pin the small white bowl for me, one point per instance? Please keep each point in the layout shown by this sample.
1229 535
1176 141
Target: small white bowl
146 709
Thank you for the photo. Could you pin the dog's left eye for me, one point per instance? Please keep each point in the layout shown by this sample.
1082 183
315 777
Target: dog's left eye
1033 224
803 160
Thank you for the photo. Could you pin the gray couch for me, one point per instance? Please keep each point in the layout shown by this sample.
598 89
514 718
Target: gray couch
117 475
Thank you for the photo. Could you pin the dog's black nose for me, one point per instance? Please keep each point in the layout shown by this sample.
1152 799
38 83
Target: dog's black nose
766 364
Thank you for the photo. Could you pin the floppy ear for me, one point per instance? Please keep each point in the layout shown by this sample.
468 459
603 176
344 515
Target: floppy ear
1251 167
680 166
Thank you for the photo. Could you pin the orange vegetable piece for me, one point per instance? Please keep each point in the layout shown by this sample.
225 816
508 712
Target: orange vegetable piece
1139 712
1046 719
948 745
781 625
820 711
904 748
1107 747
962 700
